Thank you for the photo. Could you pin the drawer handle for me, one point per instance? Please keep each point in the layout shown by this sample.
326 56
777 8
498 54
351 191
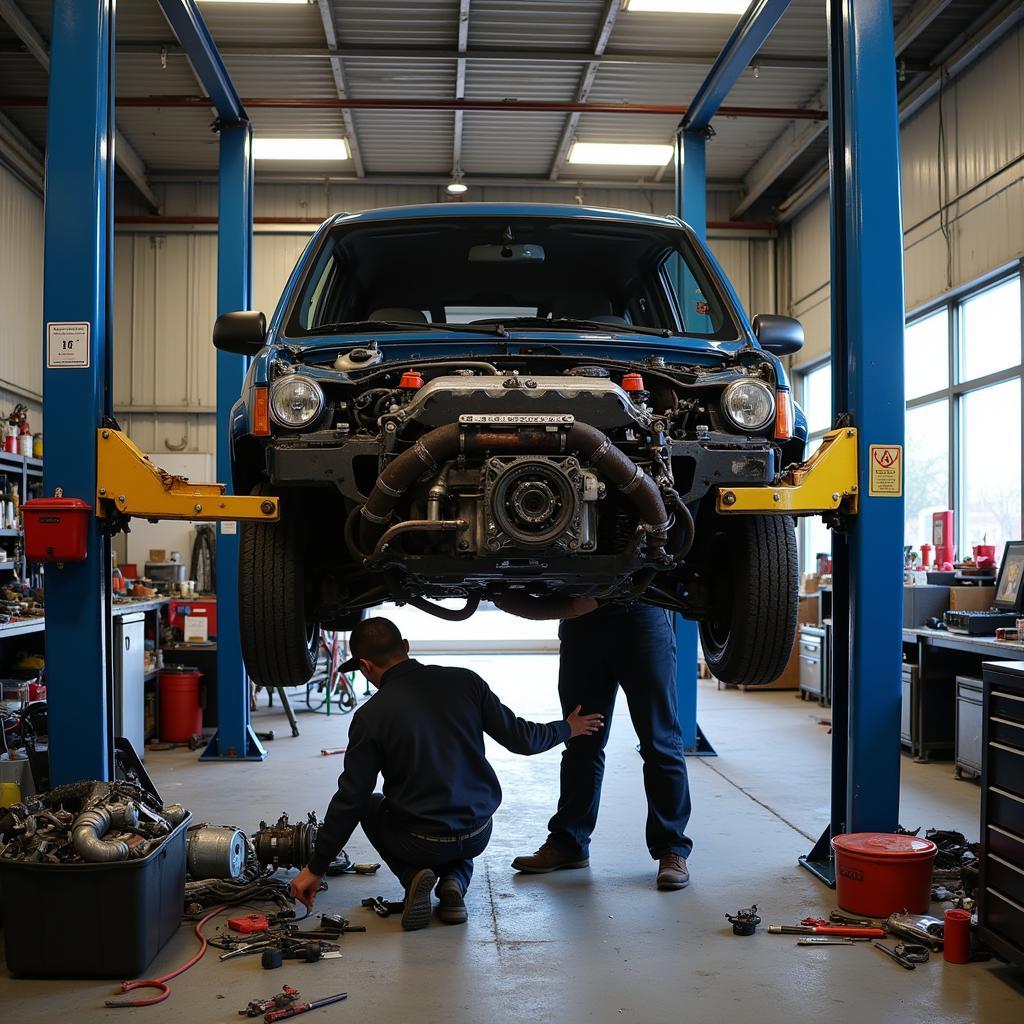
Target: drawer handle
1007 696
1006 747
1009 835
1006 793
1002 896
1006 863
1007 721
810 661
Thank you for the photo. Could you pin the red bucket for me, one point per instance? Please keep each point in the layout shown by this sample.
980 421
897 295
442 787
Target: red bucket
878 874
181 715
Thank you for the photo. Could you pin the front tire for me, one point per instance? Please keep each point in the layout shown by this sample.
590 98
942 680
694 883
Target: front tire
752 569
279 643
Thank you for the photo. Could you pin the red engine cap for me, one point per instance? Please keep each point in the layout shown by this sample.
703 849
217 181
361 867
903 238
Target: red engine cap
411 379
632 382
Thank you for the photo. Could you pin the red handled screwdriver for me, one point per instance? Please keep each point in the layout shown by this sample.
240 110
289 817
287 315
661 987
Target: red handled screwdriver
294 1011
810 929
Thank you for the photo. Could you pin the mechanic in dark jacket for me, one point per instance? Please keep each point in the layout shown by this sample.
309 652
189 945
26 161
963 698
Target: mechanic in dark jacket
424 732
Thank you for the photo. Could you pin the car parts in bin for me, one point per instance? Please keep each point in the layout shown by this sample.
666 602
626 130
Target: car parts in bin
216 851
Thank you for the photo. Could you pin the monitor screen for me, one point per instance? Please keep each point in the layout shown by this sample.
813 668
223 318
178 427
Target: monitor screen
1010 585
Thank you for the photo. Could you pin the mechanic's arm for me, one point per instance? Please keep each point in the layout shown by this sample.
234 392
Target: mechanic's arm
539 608
355 787
522 737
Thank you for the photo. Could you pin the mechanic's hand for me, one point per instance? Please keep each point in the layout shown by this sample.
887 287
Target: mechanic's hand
541 608
305 885
581 725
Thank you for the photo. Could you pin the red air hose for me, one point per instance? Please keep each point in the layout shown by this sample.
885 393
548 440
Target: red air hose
160 984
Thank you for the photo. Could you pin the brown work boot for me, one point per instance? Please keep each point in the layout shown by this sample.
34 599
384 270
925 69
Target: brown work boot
451 907
672 871
549 858
416 912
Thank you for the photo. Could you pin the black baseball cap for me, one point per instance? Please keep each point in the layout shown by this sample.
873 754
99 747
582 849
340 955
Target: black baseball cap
372 639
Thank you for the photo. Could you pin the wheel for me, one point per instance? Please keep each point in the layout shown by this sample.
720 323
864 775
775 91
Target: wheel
279 643
751 564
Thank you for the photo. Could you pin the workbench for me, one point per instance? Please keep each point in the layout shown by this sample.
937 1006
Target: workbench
21 627
940 657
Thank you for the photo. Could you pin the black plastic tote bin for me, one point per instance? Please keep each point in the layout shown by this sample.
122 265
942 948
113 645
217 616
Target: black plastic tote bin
93 920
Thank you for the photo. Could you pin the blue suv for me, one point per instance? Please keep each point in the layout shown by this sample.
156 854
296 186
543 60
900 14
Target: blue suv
512 403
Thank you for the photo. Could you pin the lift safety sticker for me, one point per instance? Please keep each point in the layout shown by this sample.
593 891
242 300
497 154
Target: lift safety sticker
67 346
886 471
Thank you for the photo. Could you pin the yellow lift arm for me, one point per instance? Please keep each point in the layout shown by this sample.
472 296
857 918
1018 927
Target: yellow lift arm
826 482
128 483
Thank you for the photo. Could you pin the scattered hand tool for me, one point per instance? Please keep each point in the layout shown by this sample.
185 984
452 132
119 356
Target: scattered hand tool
826 929
385 908
331 927
286 997
744 922
294 1011
328 751
247 949
838 917
906 954
249 923
828 940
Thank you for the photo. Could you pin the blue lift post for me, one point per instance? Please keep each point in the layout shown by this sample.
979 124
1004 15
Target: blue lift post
746 40
78 314
235 739
867 376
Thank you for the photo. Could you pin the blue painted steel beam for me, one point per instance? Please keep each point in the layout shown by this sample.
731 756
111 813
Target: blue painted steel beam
742 46
77 310
188 25
235 739
691 206
868 386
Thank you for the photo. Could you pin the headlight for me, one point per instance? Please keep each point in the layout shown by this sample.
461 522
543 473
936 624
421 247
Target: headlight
749 404
295 401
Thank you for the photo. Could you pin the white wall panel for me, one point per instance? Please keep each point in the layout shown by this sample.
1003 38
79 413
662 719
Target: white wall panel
21 287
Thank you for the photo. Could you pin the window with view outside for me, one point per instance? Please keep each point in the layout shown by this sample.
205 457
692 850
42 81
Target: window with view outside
816 400
990 330
926 486
926 354
990 458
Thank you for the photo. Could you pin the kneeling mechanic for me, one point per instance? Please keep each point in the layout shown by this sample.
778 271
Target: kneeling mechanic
424 732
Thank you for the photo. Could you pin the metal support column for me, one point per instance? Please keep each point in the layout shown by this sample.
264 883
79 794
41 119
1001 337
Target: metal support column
78 312
235 739
691 206
867 374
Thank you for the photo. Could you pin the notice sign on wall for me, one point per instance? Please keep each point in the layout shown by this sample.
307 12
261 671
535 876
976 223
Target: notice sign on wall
67 345
886 471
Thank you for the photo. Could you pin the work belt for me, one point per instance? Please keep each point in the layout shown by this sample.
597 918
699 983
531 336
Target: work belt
453 839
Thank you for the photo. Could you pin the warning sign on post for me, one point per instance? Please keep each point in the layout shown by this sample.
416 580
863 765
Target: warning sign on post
67 345
886 471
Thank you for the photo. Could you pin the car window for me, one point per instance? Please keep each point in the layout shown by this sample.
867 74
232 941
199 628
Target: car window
470 314
699 308
312 307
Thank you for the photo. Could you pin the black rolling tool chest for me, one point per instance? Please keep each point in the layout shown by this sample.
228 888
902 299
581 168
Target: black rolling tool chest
1001 893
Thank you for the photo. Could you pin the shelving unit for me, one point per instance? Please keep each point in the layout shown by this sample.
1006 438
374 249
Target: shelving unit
25 472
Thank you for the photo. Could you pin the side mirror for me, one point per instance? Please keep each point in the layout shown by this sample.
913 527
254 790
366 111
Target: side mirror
243 333
780 335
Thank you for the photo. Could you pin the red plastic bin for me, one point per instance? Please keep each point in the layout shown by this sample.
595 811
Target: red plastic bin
56 529
181 713
879 873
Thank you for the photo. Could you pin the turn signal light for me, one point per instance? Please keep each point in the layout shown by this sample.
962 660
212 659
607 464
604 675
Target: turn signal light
261 412
784 414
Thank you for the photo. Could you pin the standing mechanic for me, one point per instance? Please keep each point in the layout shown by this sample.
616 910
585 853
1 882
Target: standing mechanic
602 649
424 732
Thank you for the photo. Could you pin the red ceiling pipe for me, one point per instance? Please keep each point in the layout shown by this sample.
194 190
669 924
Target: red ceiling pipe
533 106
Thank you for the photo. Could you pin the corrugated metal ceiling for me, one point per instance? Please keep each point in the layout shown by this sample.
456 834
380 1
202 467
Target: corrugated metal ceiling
544 35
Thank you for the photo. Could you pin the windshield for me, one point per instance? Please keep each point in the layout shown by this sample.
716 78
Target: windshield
544 273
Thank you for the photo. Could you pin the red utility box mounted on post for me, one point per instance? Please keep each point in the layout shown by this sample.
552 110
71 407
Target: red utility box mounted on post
56 529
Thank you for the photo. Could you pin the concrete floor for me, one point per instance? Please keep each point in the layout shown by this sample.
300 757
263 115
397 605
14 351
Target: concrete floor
598 945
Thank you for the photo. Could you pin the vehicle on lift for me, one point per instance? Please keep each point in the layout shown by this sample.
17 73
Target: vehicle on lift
479 402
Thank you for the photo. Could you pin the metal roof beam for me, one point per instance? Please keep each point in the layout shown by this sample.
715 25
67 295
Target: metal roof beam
338 70
611 12
288 52
953 61
188 25
460 87
124 154
741 48
796 138
20 155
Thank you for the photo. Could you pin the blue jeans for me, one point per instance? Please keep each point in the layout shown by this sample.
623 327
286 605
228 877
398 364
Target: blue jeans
405 854
634 648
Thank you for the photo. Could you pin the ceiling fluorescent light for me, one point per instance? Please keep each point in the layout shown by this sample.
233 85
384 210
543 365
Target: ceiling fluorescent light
300 149
254 1
623 154
687 6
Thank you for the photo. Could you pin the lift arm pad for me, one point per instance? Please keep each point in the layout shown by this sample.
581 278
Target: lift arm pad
826 482
128 484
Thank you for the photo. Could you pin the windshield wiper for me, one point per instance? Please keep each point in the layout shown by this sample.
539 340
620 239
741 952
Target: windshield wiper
571 321
344 327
